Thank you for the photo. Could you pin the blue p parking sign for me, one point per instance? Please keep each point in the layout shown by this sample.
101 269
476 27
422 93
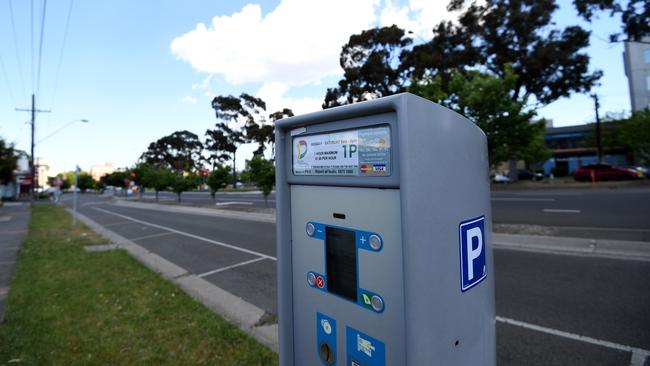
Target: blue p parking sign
473 267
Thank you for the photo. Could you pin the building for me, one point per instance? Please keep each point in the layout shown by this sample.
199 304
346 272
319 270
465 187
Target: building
42 173
574 146
636 58
100 170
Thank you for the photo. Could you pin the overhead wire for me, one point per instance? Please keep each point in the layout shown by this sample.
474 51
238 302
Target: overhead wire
32 41
20 66
58 68
4 72
40 47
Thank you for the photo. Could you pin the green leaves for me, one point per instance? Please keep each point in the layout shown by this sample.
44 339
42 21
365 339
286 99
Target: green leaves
488 101
8 162
262 172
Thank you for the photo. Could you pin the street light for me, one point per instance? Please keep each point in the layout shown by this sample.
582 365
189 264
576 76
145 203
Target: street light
61 128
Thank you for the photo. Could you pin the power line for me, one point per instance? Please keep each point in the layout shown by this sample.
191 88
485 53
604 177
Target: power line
58 68
20 66
4 72
40 47
32 41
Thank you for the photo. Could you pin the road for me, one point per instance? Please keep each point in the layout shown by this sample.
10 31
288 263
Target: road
595 213
546 304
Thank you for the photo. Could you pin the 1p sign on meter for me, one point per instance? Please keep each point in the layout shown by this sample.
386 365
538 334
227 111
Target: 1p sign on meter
383 209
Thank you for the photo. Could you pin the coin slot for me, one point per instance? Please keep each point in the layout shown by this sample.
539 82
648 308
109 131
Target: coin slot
338 215
326 353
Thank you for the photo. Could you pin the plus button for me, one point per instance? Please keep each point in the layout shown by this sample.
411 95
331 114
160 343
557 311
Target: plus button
363 240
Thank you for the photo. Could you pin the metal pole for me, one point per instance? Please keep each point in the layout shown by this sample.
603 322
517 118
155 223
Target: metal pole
599 145
74 197
32 168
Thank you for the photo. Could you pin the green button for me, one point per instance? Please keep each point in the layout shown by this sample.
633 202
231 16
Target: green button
366 299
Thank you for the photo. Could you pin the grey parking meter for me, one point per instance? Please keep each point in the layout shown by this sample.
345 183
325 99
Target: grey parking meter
383 235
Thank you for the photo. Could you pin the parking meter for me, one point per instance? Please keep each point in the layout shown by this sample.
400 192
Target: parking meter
383 235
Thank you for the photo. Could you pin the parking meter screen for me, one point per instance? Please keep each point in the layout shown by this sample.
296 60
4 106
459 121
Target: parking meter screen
362 152
341 259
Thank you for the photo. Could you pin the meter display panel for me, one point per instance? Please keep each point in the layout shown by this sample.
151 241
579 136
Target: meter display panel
341 262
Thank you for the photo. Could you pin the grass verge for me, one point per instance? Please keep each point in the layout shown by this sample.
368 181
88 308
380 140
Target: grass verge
70 307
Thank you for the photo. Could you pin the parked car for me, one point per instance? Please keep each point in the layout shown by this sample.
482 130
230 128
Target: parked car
500 178
523 174
603 171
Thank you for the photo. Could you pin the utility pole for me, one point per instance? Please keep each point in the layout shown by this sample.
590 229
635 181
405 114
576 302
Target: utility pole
32 166
599 145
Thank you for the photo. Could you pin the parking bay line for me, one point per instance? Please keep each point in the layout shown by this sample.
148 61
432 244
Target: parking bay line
229 246
523 199
560 210
230 267
152 236
638 355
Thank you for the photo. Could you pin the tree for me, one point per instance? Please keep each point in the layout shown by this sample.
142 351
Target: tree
371 69
274 117
182 183
487 100
8 162
263 174
158 179
551 62
179 152
85 181
239 120
218 179
636 134
635 16
140 175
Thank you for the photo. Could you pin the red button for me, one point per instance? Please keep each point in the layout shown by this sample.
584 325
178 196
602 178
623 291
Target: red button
320 282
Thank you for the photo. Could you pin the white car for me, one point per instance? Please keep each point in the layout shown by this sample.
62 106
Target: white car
500 178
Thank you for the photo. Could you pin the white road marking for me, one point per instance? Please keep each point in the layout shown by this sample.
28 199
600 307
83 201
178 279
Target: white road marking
189 235
560 210
230 267
638 355
523 199
117 223
233 203
151 236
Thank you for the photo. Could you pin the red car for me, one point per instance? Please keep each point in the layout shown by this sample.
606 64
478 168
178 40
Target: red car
604 171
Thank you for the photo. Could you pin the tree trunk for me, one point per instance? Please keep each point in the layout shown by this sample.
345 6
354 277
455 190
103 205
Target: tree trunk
513 174
234 172
179 197
156 195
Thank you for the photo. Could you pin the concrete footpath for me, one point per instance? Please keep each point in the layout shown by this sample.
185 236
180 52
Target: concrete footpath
14 220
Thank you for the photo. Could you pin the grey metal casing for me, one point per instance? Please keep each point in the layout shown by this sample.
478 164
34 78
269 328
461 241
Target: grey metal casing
440 179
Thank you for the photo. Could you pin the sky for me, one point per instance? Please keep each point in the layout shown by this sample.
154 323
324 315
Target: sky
140 70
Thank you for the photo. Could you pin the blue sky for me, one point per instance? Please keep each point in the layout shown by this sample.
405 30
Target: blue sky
138 70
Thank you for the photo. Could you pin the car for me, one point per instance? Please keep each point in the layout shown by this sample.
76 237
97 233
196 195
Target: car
500 178
523 174
603 171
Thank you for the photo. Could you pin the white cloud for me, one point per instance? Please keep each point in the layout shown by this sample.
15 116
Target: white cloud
273 94
417 16
204 84
189 100
297 43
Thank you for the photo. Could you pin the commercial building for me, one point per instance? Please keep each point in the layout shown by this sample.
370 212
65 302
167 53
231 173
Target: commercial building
574 146
637 69
100 170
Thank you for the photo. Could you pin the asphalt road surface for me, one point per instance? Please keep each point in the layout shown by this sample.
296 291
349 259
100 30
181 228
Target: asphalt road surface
552 309
622 213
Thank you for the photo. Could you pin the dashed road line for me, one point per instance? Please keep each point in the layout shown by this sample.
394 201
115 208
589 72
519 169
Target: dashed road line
233 203
258 254
152 236
230 267
638 355
523 199
560 210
